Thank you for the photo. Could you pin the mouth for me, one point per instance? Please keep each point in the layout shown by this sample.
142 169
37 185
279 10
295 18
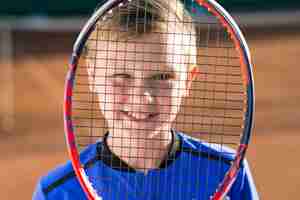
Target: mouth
139 116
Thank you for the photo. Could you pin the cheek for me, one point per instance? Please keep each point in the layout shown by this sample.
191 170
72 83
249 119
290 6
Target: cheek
113 100
174 98
120 95
168 96
162 92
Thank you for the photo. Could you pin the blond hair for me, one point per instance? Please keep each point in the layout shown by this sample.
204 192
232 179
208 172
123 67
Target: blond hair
139 17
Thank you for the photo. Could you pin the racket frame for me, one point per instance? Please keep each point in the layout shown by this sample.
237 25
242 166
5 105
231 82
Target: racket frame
241 46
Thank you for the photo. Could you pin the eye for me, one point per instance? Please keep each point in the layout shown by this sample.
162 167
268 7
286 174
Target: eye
125 76
120 79
163 76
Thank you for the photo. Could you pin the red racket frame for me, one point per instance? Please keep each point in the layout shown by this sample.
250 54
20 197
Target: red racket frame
246 67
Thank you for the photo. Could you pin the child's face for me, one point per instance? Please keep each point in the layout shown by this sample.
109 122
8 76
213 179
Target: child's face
141 86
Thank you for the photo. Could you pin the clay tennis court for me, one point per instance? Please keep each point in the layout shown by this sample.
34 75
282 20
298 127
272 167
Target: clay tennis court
37 144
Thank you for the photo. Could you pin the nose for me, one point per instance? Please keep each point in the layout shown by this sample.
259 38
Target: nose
148 97
142 97
143 94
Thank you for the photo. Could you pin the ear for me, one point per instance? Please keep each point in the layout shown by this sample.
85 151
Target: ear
193 73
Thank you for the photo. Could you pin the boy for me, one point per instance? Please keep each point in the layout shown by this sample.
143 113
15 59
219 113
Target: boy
146 63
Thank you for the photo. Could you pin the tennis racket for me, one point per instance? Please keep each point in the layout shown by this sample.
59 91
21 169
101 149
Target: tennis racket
146 76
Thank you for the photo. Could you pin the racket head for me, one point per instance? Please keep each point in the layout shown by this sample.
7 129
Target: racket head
235 64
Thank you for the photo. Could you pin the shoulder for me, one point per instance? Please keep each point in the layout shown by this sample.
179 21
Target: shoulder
244 186
61 182
57 183
205 149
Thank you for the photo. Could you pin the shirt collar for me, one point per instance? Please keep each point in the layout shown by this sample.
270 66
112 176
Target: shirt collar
112 160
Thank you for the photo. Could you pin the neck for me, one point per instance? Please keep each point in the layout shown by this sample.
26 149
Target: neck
141 153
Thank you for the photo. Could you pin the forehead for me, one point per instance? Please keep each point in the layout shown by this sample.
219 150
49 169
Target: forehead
156 51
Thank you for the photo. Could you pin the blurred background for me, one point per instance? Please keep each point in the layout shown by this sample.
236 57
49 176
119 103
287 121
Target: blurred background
35 43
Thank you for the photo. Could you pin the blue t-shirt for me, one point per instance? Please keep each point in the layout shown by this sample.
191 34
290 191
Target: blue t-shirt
191 171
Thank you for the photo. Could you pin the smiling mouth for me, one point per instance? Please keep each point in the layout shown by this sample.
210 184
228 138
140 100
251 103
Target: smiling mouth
140 117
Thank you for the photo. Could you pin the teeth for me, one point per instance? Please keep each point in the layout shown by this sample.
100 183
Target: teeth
139 116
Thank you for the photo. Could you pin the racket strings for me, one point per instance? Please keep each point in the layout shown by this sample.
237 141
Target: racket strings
226 96
213 111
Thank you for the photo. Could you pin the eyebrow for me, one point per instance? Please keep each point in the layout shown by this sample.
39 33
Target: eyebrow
121 69
128 72
125 75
